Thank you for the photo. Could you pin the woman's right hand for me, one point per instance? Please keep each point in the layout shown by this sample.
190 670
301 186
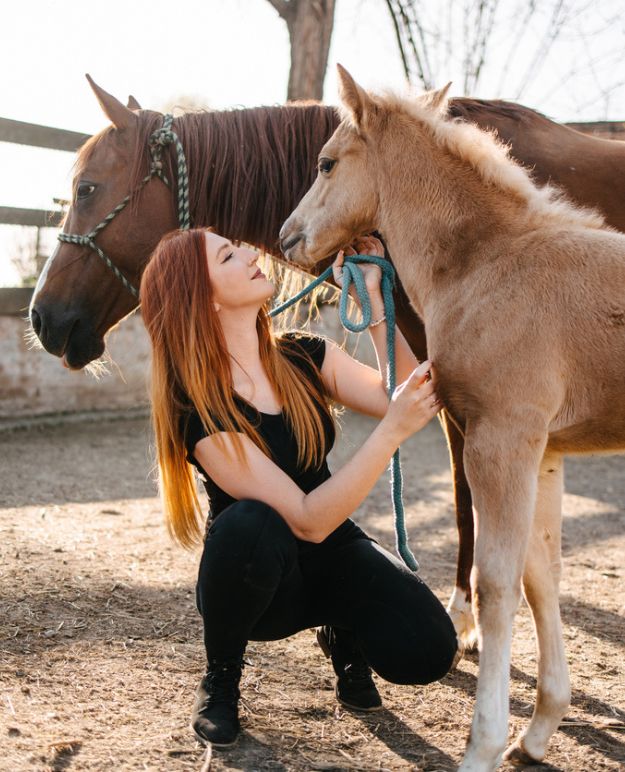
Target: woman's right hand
413 404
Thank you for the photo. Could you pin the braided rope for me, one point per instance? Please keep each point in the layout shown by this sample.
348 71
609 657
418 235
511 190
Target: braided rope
159 139
352 273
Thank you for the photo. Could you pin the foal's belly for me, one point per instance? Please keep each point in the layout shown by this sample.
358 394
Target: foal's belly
594 435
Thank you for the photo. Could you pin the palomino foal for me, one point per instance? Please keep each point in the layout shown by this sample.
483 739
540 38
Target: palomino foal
523 301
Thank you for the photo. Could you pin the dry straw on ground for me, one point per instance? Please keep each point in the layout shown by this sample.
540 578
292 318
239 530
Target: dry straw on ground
100 642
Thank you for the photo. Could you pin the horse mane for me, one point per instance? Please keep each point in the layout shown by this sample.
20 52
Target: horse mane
490 157
235 183
470 108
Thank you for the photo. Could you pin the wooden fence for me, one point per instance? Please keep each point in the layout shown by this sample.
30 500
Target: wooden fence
20 133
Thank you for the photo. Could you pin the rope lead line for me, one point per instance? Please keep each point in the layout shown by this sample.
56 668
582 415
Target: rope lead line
352 273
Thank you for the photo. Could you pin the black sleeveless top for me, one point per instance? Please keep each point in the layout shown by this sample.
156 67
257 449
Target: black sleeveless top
307 352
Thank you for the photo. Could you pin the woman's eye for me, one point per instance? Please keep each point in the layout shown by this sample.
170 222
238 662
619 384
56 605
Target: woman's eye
84 189
228 256
326 165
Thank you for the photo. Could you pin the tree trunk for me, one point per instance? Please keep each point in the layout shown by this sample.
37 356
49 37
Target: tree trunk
310 25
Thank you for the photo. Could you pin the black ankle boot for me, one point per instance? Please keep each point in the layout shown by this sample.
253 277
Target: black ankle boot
215 718
354 685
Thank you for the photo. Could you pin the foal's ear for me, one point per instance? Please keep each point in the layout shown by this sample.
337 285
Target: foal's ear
118 114
436 100
132 103
354 98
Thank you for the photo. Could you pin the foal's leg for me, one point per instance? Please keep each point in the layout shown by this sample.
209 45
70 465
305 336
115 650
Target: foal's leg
502 469
541 586
459 608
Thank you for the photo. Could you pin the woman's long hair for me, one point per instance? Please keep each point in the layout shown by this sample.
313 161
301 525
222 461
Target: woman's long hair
190 368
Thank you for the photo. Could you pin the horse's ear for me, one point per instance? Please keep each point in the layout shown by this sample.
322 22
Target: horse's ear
354 98
436 100
118 114
132 103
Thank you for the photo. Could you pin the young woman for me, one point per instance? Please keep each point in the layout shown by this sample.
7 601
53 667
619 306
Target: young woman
252 411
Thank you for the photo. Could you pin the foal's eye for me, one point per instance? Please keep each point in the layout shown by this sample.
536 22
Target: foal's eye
84 189
326 165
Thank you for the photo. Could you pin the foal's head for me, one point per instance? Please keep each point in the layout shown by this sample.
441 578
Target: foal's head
344 200
396 161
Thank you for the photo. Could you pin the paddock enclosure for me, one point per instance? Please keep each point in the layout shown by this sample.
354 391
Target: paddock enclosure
101 648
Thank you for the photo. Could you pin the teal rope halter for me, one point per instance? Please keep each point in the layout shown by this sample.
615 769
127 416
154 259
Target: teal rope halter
159 139
352 273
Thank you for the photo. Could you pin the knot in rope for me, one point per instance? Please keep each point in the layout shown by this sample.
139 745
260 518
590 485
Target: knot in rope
353 274
158 141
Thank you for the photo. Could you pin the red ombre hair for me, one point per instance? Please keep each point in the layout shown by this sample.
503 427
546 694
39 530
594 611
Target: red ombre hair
190 366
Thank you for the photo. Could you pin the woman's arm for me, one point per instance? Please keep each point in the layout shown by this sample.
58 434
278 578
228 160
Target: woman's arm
313 516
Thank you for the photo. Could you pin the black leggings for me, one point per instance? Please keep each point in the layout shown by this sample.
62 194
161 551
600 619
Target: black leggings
257 581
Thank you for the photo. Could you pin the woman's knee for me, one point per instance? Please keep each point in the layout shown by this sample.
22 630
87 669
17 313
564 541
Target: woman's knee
420 659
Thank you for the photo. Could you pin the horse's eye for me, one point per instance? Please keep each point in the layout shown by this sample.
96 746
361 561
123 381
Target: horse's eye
326 165
84 189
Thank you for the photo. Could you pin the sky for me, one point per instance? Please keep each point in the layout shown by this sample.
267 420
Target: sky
225 53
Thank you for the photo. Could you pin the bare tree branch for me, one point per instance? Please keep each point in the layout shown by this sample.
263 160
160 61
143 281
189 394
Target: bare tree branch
460 37
400 44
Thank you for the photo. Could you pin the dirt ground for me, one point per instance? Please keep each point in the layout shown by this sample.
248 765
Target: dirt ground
100 642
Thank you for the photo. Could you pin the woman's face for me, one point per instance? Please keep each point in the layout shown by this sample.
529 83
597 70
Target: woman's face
236 279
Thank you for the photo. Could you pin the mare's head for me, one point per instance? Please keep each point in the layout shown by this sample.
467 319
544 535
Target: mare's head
78 298
344 201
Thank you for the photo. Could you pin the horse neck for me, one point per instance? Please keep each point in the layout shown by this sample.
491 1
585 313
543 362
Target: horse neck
435 220
248 168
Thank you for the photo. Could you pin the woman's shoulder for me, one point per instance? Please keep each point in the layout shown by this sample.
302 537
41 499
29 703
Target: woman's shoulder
296 342
193 429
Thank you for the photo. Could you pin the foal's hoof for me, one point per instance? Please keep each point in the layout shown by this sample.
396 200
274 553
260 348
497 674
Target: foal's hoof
517 755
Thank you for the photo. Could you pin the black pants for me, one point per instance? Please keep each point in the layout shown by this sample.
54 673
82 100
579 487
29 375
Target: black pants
257 581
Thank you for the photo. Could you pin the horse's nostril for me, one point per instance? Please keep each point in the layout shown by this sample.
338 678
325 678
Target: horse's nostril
286 244
35 320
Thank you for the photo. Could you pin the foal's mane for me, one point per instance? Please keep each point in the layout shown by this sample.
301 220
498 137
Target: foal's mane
489 157
248 167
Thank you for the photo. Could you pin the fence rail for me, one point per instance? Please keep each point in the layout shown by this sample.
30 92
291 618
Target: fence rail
38 218
20 133
32 134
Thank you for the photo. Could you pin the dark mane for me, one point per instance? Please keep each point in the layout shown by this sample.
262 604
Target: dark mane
469 108
248 168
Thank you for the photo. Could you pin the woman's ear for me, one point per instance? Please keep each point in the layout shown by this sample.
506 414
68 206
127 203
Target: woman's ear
216 306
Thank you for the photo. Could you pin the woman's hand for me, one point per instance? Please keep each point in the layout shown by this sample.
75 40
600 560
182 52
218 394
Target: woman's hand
414 403
364 245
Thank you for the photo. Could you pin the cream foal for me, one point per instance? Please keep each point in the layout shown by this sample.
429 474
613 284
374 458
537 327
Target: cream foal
523 300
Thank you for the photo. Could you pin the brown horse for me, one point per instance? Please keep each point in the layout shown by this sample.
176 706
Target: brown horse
248 169
522 296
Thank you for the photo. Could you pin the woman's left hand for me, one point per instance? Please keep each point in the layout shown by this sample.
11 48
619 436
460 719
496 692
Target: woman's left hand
364 245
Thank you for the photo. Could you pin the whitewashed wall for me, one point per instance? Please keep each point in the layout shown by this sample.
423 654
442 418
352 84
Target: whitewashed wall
35 384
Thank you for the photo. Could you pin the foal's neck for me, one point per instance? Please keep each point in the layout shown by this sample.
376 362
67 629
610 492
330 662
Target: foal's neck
436 223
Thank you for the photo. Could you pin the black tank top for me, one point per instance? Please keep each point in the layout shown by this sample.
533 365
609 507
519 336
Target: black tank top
307 352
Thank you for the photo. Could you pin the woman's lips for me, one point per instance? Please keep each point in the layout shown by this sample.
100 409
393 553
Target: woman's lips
257 274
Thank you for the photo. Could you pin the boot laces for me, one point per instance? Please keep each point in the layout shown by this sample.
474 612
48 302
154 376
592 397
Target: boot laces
357 673
221 683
